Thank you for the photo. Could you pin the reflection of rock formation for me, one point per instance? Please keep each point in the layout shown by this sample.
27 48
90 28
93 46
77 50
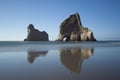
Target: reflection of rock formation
73 58
32 55
36 35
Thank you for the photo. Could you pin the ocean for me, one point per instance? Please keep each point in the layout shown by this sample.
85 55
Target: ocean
59 60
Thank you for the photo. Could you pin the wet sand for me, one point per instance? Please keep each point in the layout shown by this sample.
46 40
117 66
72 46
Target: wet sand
63 63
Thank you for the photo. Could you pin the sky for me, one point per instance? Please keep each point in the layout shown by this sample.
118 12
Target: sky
100 16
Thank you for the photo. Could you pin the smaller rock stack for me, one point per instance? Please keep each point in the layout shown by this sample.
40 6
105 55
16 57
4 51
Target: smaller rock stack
36 35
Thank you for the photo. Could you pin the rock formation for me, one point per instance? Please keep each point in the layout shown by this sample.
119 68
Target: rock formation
71 29
36 35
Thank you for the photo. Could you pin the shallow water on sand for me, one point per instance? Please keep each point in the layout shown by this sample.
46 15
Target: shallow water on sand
59 61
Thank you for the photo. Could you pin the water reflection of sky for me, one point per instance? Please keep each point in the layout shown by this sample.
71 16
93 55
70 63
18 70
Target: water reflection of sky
99 63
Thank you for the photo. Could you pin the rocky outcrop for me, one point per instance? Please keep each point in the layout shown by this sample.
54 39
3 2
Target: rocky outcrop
71 29
36 35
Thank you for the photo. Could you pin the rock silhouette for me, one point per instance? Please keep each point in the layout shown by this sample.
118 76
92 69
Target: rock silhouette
36 35
71 29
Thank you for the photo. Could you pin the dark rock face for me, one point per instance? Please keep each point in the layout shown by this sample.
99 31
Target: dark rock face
36 35
71 29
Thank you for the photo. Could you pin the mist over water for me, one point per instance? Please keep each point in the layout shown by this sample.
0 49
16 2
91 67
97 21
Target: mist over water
59 61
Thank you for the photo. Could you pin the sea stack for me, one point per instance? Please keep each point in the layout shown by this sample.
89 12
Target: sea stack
36 35
71 29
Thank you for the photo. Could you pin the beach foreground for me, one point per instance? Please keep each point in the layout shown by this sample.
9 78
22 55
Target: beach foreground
59 61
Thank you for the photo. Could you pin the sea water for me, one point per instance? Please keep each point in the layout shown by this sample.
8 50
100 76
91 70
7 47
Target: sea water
59 60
